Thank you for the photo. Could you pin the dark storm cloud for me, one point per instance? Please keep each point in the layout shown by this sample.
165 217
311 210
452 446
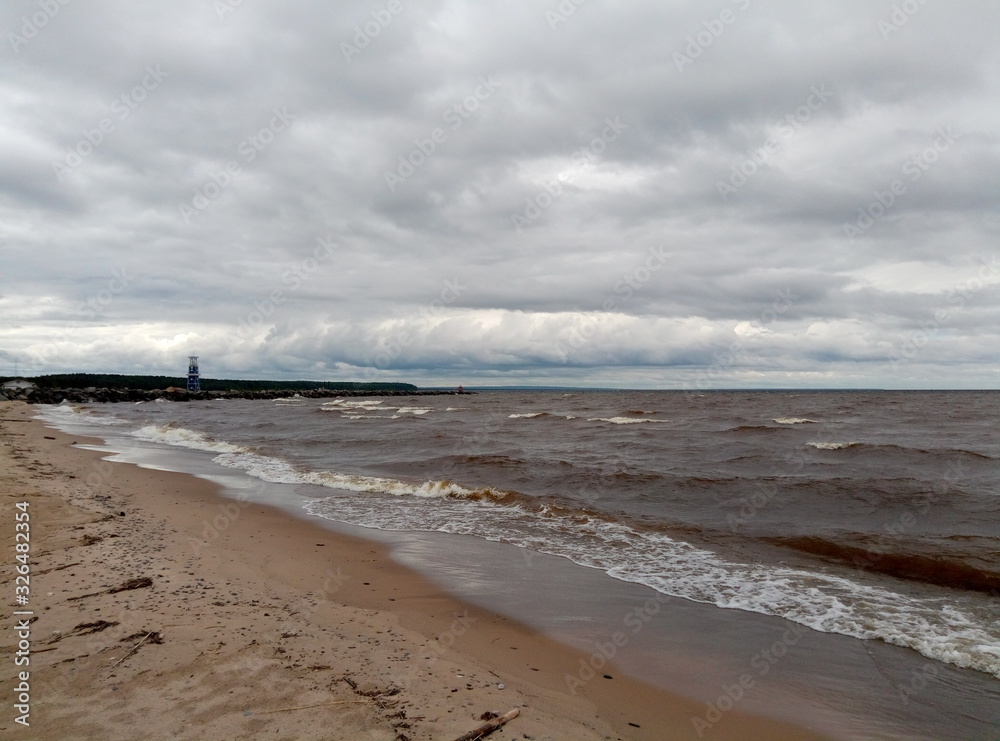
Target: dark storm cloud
748 192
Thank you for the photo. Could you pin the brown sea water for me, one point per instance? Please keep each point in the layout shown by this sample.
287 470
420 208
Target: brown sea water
867 515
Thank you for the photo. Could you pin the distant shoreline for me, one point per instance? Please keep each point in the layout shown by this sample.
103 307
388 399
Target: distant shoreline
120 395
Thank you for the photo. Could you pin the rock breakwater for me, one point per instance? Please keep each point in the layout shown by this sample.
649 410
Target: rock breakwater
118 395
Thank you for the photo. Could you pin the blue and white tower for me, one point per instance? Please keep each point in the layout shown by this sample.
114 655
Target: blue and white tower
194 383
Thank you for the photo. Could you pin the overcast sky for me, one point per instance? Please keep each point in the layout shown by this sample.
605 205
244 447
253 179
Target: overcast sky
735 193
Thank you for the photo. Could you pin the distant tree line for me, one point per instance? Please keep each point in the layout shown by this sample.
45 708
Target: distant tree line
151 383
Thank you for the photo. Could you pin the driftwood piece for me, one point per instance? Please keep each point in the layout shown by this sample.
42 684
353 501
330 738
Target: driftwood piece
488 728
56 568
140 583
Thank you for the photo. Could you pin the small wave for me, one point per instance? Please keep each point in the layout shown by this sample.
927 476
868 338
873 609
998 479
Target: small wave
280 471
488 460
754 428
625 420
794 421
81 412
182 437
541 415
413 410
930 567
346 404
896 450
969 453
832 446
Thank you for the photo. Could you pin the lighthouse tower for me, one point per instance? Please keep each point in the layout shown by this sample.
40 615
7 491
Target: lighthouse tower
194 383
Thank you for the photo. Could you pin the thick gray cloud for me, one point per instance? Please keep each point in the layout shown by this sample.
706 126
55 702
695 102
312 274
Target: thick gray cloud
660 194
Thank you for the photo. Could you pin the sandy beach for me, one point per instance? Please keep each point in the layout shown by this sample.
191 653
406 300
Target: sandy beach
163 610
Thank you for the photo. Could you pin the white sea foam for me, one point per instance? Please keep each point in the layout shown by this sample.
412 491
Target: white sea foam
795 421
276 470
280 471
625 420
413 410
69 411
184 438
340 404
823 601
527 415
831 446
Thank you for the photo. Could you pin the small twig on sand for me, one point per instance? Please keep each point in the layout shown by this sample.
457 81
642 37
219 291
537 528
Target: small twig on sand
319 705
133 650
489 727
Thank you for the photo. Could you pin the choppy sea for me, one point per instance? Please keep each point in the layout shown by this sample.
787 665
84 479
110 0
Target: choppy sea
871 515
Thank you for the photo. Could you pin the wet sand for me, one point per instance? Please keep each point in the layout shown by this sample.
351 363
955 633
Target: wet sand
165 610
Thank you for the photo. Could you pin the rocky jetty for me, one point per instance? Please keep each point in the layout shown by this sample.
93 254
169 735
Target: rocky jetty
112 395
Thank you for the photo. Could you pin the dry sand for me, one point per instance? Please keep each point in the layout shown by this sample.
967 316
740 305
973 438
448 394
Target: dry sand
164 611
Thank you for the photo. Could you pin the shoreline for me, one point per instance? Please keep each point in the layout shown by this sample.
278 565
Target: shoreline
260 612
57 395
